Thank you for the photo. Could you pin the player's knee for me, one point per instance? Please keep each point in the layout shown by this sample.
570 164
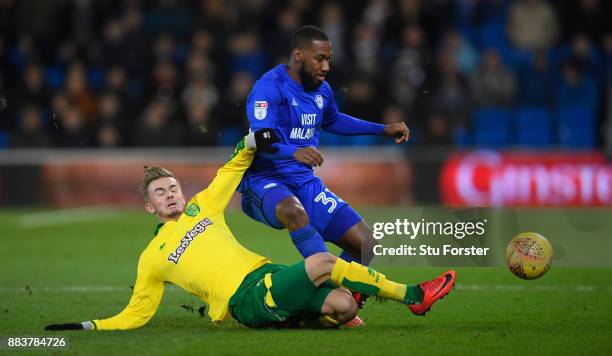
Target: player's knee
320 265
291 214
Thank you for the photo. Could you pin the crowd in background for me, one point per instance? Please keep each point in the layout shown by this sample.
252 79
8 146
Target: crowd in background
99 73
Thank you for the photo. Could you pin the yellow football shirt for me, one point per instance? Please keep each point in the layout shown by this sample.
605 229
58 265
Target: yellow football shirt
197 253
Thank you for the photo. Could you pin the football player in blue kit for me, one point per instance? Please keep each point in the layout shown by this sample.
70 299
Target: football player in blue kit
280 189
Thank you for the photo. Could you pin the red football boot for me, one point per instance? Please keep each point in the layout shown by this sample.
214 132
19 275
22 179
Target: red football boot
433 290
360 298
355 323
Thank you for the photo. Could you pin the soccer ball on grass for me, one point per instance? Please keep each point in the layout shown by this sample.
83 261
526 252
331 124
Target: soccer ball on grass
529 255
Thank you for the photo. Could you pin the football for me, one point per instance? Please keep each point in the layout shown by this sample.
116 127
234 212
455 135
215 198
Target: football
529 255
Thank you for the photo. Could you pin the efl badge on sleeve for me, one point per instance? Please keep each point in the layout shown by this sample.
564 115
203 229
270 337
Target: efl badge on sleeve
261 109
319 101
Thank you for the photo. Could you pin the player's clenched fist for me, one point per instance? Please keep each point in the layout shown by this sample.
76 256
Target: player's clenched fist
398 130
309 155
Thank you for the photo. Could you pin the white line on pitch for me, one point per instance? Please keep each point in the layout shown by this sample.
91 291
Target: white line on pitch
464 287
66 216
74 289
537 288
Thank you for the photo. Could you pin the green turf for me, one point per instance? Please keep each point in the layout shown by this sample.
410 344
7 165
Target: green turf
568 311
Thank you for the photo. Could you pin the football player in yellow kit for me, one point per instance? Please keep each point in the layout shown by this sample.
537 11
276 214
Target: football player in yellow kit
194 249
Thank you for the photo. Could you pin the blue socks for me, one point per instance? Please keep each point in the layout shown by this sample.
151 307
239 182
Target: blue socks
348 258
308 241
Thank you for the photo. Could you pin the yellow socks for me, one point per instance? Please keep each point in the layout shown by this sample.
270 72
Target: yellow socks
367 281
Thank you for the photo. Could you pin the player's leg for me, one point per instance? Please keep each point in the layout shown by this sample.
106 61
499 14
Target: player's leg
337 222
322 267
291 295
291 214
357 243
274 204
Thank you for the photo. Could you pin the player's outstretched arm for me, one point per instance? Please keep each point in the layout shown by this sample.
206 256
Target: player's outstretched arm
342 124
148 292
218 194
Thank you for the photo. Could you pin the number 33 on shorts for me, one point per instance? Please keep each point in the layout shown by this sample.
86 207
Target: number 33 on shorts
328 198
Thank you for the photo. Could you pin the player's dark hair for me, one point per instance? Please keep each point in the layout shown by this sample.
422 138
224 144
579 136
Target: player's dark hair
151 174
304 36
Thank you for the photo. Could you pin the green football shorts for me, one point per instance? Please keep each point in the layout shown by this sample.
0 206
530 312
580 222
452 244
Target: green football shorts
273 295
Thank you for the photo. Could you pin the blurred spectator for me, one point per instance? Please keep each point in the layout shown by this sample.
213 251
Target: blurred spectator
449 94
536 82
231 111
532 24
96 65
247 54
111 113
78 93
156 128
166 48
584 54
409 71
165 82
366 48
461 52
199 91
576 88
361 100
73 130
59 104
201 130
108 136
33 89
438 131
287 21
114 36
408 13
31 133
332 22
198 66
493 84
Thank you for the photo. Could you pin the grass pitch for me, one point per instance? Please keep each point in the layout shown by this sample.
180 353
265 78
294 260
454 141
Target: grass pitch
79 265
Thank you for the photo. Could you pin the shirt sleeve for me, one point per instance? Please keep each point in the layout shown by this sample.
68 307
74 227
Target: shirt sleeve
342 124
148 292
263 108
218 194
263 105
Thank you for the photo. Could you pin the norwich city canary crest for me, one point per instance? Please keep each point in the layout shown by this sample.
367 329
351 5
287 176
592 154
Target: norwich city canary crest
192 210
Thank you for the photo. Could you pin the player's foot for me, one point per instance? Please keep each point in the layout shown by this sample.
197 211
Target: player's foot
355 323
360 298
433 290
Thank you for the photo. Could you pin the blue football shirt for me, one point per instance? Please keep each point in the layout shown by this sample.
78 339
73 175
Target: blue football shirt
279 102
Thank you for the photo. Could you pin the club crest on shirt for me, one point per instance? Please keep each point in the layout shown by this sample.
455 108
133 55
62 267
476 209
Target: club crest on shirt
192 210
319 101
261 109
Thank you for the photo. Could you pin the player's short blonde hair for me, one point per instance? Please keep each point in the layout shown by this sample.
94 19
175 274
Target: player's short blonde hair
151 174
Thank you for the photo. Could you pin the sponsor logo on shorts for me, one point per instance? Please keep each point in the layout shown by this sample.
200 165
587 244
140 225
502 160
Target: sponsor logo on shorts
270 185
187 239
